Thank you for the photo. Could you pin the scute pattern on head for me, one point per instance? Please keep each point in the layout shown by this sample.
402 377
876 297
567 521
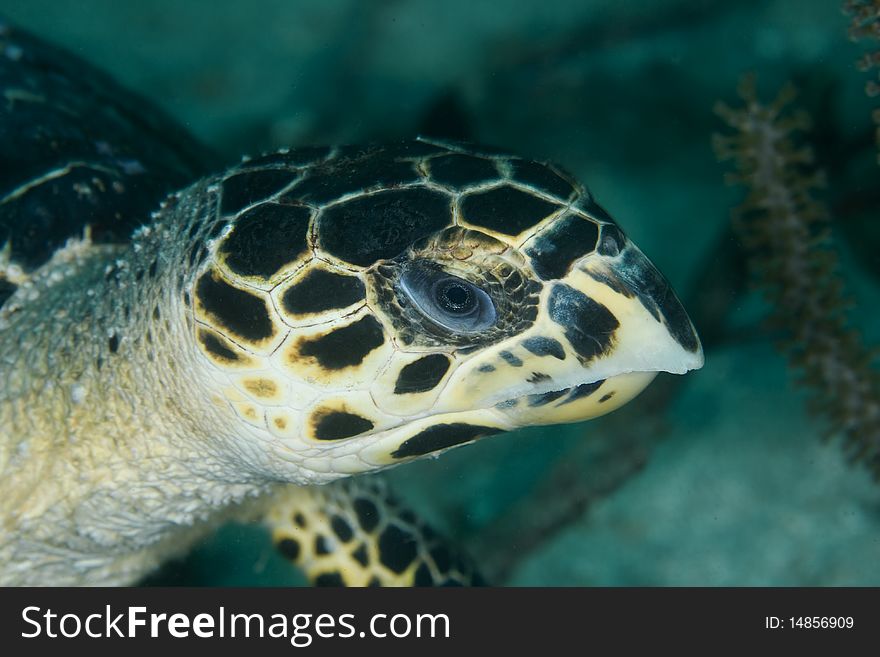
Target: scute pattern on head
378 226
505 209
253 186
318 294
242 313
340 348
267 239
553 250
304 303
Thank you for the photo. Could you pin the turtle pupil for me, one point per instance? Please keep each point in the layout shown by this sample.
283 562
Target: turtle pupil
455 298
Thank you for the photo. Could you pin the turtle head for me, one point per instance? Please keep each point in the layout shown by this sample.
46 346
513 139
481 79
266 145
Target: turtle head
476 294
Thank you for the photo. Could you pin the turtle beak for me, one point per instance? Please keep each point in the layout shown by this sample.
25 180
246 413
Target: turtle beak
606 329
645 328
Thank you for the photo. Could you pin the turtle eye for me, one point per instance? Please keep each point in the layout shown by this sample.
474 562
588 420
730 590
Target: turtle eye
448 301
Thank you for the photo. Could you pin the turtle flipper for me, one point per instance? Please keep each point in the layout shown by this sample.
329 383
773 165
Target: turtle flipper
356 533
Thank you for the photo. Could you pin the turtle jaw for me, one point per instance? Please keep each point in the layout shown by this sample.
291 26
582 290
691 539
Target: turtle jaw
577 403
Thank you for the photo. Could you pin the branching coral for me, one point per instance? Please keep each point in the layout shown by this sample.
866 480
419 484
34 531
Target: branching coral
866 25
785 231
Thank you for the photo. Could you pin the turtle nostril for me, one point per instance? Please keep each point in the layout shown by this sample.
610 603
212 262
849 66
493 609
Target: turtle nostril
611 241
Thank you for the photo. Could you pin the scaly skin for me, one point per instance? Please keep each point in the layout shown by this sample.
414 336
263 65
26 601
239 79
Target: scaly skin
108 459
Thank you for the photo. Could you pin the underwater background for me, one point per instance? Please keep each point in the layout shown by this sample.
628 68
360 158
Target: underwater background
722 477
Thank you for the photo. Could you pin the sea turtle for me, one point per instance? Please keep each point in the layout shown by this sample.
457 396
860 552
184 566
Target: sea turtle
301 316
